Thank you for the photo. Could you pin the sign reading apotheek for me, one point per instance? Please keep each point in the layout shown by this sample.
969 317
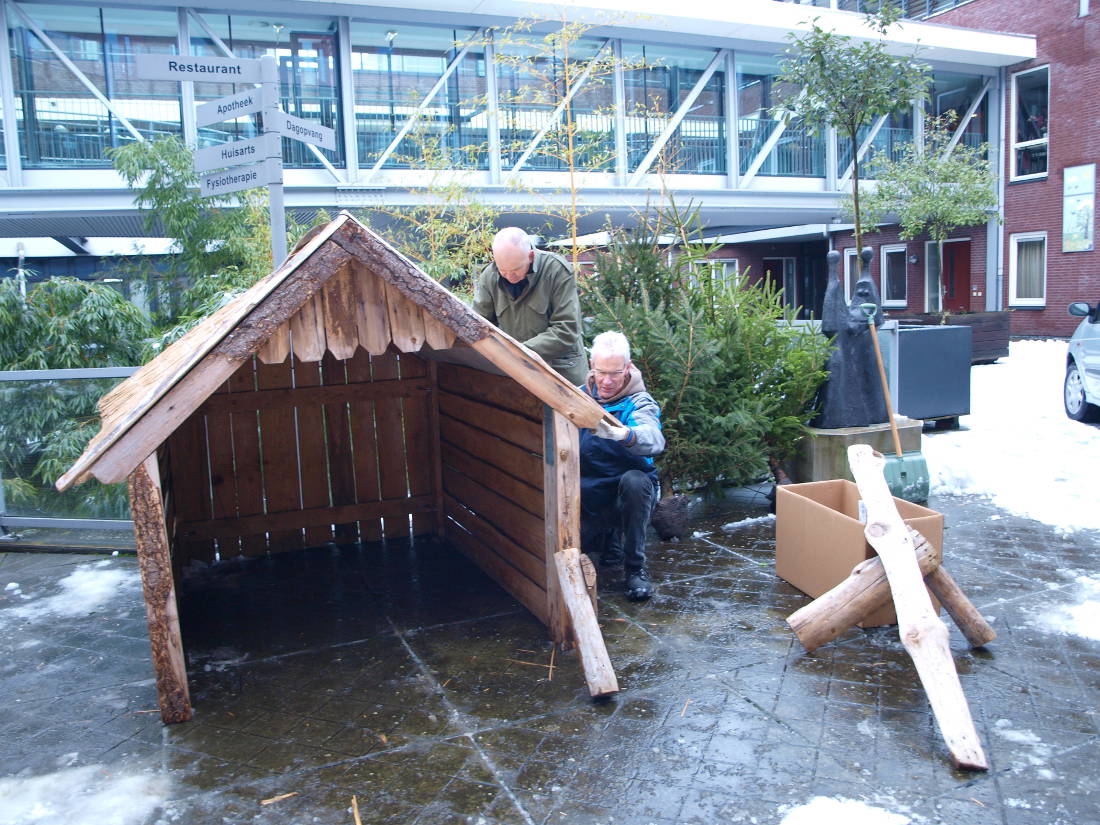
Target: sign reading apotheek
245 177
237 152
229 107
174 67
307 131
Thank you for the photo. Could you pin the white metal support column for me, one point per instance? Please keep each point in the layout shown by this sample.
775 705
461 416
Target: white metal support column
970 110
7 101
831 159
733 124
681 113
407 126
228 52
347 99
765 150
994 244
918 125
555 115
492 109
72 67
187 87
622 159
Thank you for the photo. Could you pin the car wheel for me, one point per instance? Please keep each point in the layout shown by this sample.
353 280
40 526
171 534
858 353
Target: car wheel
1077 407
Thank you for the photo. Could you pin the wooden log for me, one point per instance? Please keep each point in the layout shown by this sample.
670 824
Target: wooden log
537 377
922 633
972 624
338 300
307 330
590 579
562 492
158 586
866 589
595 663
406 325
277 347
371 314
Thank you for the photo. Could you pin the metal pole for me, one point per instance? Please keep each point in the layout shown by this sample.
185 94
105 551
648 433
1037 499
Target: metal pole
269 85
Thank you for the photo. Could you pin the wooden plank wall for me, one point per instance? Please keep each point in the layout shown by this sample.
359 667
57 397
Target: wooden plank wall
491 443
300 453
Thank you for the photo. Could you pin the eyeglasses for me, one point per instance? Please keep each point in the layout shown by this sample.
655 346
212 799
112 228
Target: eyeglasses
609 373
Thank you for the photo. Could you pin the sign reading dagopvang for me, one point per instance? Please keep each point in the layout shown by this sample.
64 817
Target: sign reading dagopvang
243 177
229 107
175 67
237 152
307 131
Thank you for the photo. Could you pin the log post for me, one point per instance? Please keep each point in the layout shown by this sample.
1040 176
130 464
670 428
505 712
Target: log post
923 634
154 558
562 492
866 589
595 663
972 624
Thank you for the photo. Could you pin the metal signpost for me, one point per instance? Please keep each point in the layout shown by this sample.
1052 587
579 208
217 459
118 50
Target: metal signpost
243 164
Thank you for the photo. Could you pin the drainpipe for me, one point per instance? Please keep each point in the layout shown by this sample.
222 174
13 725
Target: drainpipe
1004 163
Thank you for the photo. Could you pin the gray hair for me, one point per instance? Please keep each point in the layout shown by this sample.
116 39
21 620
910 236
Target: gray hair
611 343
513 236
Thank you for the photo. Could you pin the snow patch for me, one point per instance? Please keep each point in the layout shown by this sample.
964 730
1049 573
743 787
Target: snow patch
90 795
746 522
1039 754
1081 619
90 587
1019 448
824 810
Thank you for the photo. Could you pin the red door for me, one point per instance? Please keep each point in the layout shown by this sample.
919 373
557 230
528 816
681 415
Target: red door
956 276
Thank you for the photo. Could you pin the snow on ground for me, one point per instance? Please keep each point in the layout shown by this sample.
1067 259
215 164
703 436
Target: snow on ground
1080 619
824 810
1017 446
89 795
747 522
89 588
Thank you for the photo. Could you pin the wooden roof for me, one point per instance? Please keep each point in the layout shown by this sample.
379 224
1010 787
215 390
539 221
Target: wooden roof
343 287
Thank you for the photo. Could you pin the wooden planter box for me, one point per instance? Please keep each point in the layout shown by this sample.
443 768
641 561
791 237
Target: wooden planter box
990 330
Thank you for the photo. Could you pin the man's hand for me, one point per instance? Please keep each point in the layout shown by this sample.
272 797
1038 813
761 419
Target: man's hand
612 432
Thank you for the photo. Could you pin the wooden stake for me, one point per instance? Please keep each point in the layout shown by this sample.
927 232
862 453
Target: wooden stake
147 509
586 630
922 633
972 624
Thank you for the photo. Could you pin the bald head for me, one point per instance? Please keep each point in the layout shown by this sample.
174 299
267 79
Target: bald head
513 254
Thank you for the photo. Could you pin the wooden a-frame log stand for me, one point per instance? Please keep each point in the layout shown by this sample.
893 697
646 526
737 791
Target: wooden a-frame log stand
904 559
344 392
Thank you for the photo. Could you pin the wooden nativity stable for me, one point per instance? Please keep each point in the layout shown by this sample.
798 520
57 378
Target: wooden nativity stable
344 389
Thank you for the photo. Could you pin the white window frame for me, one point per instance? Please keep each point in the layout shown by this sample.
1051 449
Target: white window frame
1043 141
851 271
1013 248
883 270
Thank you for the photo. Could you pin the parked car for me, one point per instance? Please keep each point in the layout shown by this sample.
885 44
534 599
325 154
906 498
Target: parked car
1082 387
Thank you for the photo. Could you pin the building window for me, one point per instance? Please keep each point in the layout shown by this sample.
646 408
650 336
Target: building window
1027 269
892 270
1030 115
721 271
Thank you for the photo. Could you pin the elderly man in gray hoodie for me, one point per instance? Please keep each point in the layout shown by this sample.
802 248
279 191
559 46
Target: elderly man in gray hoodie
618 477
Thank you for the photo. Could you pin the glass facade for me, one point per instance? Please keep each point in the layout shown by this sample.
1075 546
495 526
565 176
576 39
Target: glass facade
61 123
393 68
798 153
953 92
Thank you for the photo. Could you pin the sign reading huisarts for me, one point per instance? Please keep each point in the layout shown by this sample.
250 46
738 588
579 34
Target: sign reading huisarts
1078 207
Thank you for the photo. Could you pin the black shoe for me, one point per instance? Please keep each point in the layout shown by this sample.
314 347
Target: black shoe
638 587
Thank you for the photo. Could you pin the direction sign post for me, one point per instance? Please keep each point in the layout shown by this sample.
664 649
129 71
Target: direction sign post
269 91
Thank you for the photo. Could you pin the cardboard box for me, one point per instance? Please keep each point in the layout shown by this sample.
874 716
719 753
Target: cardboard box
819 537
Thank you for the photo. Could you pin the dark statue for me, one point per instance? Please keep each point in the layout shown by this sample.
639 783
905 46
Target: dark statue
852 395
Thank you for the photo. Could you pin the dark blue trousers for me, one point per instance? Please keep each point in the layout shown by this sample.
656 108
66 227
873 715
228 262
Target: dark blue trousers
628 513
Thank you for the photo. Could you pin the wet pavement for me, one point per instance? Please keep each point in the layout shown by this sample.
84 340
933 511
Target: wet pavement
400 676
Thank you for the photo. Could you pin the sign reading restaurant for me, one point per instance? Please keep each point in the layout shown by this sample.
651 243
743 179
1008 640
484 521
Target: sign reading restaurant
174 67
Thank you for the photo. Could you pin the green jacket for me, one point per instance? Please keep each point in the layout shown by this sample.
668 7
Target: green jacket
545 317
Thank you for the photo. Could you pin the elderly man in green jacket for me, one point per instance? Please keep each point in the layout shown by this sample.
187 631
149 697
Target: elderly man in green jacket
532 295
